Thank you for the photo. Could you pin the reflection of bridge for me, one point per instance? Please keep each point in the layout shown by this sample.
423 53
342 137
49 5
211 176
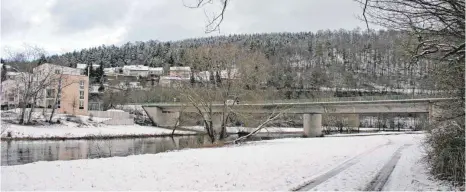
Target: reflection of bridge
166 114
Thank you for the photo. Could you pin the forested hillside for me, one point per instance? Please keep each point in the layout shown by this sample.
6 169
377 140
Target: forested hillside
343 58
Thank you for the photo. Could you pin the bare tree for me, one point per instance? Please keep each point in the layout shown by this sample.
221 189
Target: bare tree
439 28
29 85
215 19
223 76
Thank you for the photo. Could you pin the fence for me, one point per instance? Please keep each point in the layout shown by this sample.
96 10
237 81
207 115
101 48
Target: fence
330 99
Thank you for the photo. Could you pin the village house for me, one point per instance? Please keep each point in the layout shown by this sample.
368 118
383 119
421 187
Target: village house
65 85
72 89
182 72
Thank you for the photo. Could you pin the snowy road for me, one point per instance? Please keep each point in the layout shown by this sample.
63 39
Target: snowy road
336 163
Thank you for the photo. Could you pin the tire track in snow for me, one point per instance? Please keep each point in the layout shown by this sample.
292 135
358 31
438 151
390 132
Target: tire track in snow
327 175
382 177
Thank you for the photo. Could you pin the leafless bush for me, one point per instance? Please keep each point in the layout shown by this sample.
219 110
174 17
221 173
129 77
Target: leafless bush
445 149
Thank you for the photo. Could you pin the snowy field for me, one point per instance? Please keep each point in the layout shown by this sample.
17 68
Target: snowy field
73 130
266 165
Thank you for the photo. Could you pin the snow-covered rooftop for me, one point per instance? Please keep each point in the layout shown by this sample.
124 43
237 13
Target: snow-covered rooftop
180 68
172 78
155 68
83 66
136 67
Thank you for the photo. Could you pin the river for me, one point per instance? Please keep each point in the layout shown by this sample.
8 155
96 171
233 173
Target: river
23 152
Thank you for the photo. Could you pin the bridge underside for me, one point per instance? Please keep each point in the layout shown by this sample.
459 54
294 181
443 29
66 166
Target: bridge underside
328 109
167 115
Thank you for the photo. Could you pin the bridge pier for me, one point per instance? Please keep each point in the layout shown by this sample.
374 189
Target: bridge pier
162 118
312 125
353 120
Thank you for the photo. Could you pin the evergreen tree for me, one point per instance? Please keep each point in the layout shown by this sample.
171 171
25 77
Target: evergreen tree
3 72
86 70
42 60
100 72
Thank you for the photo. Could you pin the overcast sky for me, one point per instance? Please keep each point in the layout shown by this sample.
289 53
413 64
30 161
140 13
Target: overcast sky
66 25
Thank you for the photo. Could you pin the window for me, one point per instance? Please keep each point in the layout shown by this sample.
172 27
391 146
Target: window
49 103
57 71
81 104
81 84
81 94
50 93
11 97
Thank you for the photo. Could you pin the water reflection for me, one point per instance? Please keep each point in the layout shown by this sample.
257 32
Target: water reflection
22 152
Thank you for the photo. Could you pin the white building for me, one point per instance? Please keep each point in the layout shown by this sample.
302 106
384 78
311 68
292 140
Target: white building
168 81
83 66
182 72
136 70
112 70
156 71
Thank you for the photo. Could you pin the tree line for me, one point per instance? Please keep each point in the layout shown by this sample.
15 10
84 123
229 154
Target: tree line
341 58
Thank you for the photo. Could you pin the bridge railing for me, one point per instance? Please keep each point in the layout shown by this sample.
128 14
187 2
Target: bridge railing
334 99
337 99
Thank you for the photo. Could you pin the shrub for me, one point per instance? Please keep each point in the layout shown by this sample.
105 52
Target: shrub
445 151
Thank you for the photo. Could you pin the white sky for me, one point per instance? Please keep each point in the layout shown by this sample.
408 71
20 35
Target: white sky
65 25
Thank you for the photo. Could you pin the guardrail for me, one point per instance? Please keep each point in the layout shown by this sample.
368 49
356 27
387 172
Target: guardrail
327 99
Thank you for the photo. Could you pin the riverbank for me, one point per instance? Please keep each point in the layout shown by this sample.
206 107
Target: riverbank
270 165
77 131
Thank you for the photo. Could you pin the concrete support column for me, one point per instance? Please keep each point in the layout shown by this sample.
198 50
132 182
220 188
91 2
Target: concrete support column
162 118
312 125
431 115
353 120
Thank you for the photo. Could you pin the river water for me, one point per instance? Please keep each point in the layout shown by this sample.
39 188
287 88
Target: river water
23 152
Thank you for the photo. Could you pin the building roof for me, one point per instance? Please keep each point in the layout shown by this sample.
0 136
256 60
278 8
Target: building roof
180 68
83 66
155 68
136 67
172 78
8 67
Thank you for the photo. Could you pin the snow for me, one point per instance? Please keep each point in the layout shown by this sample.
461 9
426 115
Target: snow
72 130
84 66
411 173
136 68
116 110
300 130
180 68
249 129
265 165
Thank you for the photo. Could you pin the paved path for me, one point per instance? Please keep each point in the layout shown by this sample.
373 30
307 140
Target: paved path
368 171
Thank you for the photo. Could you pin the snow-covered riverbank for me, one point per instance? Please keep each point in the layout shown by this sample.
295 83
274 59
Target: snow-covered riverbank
267 165
74 131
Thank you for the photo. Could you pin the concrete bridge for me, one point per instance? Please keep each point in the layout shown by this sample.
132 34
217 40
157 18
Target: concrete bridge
166 114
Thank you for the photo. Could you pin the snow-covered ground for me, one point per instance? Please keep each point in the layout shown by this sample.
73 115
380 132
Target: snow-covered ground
249 129
73 130
289 130
266 165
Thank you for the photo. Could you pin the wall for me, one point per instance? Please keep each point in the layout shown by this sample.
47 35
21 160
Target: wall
110 114
70 95
119 122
